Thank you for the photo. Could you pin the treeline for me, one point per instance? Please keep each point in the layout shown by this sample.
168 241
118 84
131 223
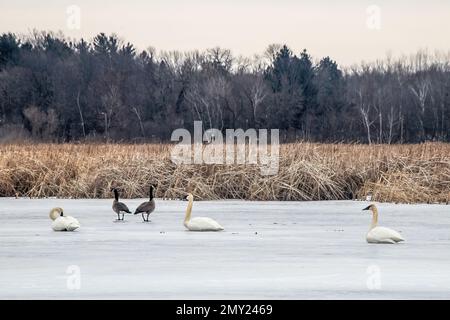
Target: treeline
57 89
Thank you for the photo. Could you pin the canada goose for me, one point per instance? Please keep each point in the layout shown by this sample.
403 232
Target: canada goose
146 207
62 222
378 234
199 223
119 207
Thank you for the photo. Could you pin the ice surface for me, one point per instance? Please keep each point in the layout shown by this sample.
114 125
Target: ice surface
273 250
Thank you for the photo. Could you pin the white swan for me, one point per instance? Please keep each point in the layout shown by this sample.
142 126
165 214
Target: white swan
199 223
62 222
378 234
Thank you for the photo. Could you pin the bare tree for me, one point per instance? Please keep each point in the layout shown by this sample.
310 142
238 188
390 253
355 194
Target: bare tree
138 115
208 99
81 114
365 110
43 124
111 103
420 90
255 89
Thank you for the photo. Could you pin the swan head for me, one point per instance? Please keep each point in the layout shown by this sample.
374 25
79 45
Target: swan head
56 212
370 207
190 197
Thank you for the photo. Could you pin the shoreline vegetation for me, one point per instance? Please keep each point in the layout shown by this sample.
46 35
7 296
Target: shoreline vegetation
408 173
57 89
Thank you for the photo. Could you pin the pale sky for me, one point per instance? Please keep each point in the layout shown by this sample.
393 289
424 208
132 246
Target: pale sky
335 28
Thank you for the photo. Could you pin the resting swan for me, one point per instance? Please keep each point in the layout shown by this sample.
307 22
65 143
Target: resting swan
378 234
199 223
62 222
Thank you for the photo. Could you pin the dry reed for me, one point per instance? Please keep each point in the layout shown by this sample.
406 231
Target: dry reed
307 171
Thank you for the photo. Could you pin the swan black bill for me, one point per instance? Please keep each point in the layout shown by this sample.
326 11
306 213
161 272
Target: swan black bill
367 208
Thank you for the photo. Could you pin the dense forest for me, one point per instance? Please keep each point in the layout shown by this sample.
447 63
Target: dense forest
57 89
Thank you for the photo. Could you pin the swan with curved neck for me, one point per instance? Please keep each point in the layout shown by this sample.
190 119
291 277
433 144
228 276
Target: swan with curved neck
379 234
62 222
199 223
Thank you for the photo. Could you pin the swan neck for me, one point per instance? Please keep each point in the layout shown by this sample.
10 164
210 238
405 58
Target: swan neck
116 195
188 211
374 218
151 193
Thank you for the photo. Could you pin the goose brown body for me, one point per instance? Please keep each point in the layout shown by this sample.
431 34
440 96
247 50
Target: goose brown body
119 207
147 207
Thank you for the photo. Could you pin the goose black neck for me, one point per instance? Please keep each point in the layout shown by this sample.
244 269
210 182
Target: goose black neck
151 193
116 195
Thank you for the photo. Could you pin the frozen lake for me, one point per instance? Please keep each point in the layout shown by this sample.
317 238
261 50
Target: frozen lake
273 250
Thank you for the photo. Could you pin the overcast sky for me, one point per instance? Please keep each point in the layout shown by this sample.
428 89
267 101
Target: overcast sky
345 30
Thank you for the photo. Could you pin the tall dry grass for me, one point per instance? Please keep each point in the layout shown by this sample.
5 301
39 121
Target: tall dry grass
308 171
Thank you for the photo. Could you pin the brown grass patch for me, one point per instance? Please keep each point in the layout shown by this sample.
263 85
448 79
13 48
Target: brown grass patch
308 171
